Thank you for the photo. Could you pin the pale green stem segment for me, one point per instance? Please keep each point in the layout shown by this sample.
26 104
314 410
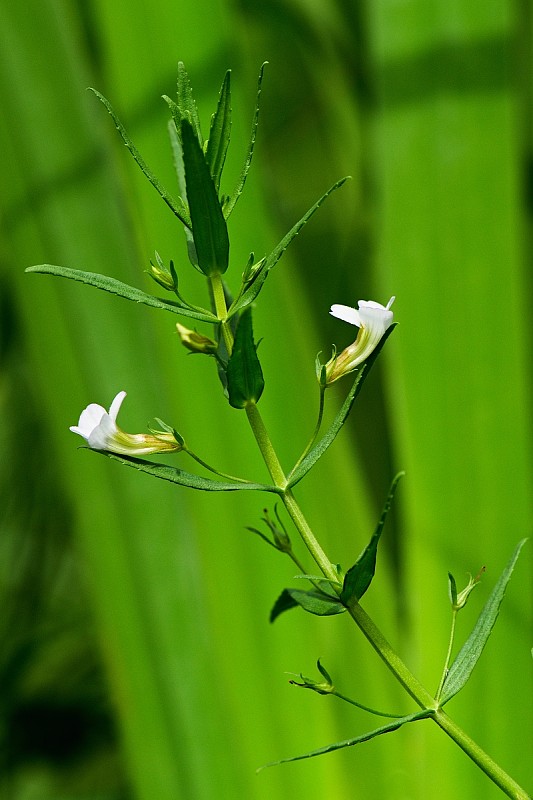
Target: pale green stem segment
380 644
221 309
315 432
448 656
479 757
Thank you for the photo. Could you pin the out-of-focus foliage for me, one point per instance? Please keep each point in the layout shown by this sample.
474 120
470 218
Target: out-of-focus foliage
136 656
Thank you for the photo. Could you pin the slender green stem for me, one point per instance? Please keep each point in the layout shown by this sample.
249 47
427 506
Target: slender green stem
315 432
213 470
380 644
448 655
365 708
483 761
217 287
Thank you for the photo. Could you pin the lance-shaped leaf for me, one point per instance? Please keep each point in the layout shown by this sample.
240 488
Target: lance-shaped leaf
113 286
244 374
219 134
186 106
183 478
328 438
271 260
209 229
313 600
176 205
359 577
365 737
468 656
229 205
177 155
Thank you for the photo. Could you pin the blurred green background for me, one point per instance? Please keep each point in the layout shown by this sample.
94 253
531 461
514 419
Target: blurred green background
136 657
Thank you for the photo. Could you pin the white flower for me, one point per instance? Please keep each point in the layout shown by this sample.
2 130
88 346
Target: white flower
100 430
372 319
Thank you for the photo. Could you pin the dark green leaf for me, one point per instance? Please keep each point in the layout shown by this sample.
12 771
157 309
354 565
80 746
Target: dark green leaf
219 135
467 658
251 293
365 737
177 206
113 286
244 374
179 476
320 448
209 228
313 601
229 205
359 577
177 155
186 105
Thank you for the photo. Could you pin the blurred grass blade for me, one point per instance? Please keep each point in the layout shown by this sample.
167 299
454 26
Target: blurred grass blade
359 577
365 737
319 450
468 656
220 132
177 206
113 286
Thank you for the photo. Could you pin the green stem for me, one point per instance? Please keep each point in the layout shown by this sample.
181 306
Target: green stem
217 288
479 757
380 644
315 432
448 655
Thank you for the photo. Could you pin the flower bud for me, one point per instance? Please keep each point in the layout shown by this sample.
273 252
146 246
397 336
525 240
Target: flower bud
161 275
195 342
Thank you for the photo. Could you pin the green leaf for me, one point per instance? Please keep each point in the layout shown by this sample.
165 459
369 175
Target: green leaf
244 374
220 132
229 205
270 261
468 656
186 105
209 229
183 478
113 286
365 737
313 601
177 155
177 206
359 577
320 448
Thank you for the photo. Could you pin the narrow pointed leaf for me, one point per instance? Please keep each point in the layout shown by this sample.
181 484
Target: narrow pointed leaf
219 134
183 478
231 201
365 737
186 105
113 286
176 205
177 156
468 656
359 577
320 448
313 601
209 228
244 374
251 293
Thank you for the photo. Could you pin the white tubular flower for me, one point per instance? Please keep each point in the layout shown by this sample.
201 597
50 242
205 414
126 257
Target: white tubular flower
372 319
100 430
